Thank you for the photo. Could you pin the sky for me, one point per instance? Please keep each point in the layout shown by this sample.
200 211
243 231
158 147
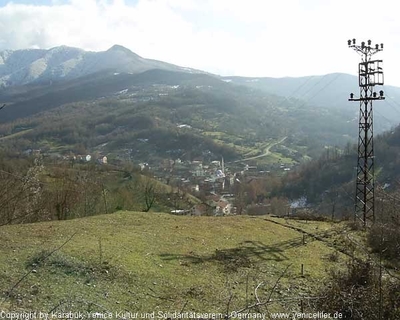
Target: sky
270 38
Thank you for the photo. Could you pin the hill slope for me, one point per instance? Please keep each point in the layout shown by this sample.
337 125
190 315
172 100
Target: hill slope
159 262
106 98
330 179
218 117
329 91
24 101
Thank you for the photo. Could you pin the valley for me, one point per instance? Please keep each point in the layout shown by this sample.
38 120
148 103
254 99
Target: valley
131 184
233 142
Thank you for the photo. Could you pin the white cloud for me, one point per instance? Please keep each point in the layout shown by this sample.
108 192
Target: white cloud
253 37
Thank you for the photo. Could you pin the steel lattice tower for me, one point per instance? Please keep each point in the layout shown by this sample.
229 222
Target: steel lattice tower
370 74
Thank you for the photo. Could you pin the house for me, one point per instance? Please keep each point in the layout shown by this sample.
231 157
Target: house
197 168
223 207
201 209
144 166
216 164
219 185
180 212
180 126
213 198
102 160
199 171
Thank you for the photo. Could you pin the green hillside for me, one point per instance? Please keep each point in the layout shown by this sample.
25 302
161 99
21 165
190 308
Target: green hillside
161 114
330 179
148 262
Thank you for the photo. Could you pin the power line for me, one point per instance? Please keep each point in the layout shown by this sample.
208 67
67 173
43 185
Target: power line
320 90
395 105
384 117
312 87
300 86
381 188
391 97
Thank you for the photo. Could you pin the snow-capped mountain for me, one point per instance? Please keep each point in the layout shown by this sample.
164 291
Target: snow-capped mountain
21 67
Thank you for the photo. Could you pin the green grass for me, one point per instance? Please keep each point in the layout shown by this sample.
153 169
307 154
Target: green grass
274 158
152 261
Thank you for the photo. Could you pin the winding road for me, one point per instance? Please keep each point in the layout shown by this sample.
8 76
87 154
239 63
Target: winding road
267 151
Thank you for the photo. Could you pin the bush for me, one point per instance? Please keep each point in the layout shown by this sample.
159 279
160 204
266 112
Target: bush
355 225
355 293
385 238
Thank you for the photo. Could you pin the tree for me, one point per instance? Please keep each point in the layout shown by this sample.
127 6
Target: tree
21 194
65 193
147 190
240 196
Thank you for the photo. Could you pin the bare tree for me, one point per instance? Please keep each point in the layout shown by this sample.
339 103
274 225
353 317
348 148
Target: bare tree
147 189
20 195
240 196
149 195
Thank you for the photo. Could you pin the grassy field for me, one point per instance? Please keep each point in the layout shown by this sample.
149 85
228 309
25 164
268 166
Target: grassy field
147 262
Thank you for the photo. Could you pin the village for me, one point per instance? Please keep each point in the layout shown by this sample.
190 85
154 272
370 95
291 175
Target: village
221 187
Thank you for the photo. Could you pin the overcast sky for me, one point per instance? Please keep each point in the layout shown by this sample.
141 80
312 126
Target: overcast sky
274 38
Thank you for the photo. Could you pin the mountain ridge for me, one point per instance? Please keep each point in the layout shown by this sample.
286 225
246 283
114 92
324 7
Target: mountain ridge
20 70
237 111
21 67
330 90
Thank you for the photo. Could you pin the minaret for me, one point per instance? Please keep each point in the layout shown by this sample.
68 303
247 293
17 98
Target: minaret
223 165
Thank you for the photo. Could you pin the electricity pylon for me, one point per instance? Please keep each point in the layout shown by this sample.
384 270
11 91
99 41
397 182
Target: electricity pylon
370 74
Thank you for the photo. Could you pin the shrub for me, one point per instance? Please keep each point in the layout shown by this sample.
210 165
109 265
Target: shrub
385 238
355 293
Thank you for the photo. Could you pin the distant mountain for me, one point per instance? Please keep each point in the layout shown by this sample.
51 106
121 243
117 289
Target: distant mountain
330 91
27 100
23 67
65 98
79 74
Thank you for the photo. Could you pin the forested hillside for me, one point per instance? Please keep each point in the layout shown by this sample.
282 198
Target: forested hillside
170 111
331 178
